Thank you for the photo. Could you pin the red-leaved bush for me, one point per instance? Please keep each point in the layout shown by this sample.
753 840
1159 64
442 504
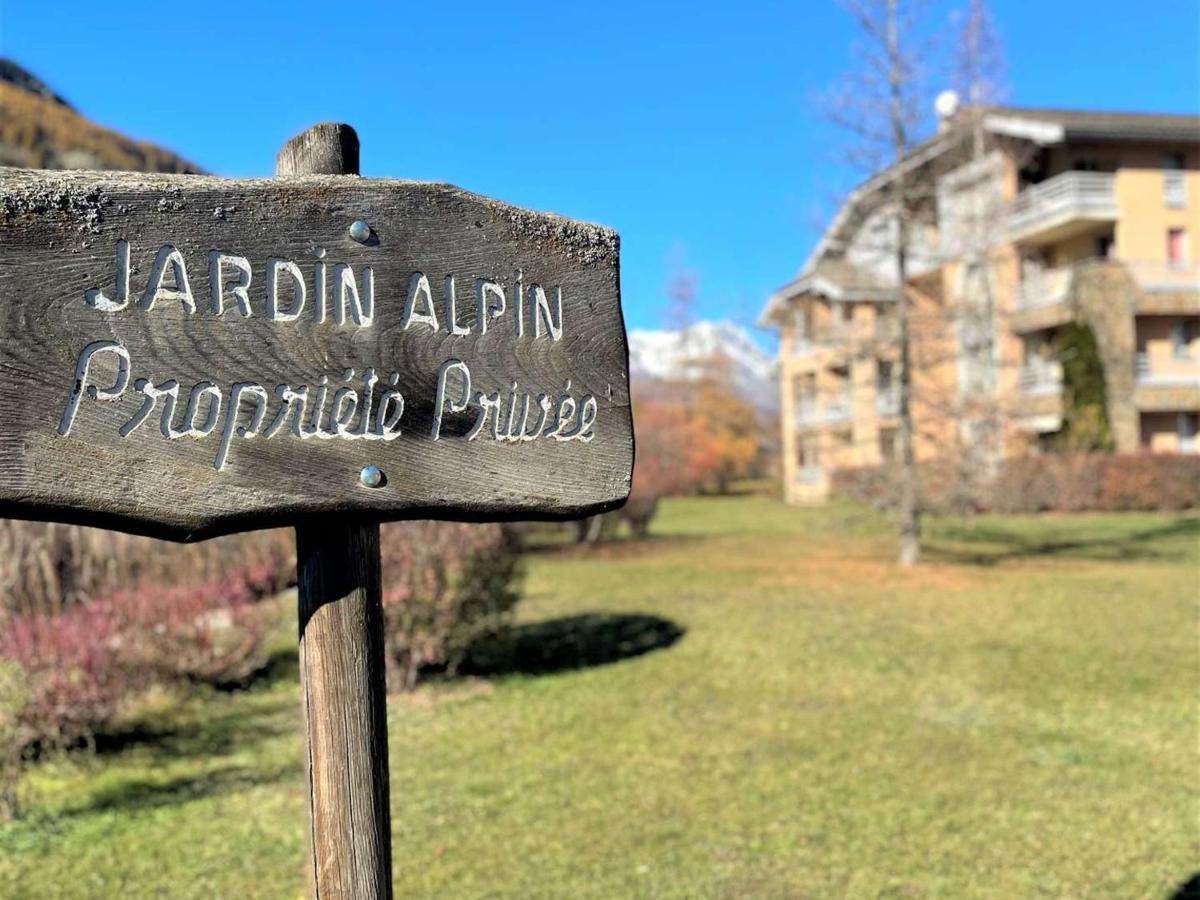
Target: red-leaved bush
73 679
445 585
1061 482
82 665
208 633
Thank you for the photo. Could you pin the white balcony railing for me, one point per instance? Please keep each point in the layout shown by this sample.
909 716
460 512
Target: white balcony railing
887 402
1041 378
808 344
1184 371
1043 287
837 410
806 412
1057 200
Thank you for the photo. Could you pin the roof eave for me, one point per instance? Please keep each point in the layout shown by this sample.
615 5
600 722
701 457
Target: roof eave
1034 130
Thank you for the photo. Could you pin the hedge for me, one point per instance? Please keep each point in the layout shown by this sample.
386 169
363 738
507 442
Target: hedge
1063 482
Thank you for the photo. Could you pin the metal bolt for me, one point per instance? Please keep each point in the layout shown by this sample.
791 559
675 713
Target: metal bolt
360 230
371 476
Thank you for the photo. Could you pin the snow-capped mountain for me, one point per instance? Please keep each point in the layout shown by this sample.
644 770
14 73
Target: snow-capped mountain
666 354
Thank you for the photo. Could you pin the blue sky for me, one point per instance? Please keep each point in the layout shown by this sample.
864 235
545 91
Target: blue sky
689 127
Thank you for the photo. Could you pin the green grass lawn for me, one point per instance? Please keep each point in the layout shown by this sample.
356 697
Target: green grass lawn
1017 718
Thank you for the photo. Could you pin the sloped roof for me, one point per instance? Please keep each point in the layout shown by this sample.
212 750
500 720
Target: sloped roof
1041 126
835 279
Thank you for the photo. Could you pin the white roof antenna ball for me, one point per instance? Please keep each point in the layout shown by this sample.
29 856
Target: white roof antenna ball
946 105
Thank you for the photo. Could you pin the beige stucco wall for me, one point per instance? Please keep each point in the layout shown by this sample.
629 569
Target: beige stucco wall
1145 218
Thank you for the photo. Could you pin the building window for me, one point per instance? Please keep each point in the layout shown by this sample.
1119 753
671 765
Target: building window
842 314
888 444
1183 333
887 390
800 321
887 325
883 375
806 399
1176 247
1185 431
1174 181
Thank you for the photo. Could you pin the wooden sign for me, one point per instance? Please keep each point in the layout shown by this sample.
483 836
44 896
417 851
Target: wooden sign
187 356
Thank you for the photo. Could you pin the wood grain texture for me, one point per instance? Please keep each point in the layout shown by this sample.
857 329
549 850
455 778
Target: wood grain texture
58 239
345 716
329 148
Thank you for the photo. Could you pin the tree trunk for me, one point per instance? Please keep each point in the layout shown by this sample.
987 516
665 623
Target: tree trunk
910 512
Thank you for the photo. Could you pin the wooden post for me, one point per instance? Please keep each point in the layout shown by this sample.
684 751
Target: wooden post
341 652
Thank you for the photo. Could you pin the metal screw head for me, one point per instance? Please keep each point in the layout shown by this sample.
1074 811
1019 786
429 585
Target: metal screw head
371 476
360 230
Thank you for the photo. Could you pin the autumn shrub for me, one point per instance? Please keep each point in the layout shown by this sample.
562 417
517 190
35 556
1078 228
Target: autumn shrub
445 586
1076 482
82 666
210 633
1152 481
1060 482
90 618
873 486
75 681
693 433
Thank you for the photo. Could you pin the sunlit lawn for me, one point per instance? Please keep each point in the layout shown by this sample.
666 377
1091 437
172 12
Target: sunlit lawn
1018 718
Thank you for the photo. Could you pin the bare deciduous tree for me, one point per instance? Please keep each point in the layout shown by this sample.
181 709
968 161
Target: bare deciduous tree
884 104
881 104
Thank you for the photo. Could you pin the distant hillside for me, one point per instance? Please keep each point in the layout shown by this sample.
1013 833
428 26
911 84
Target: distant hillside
39 130
667 354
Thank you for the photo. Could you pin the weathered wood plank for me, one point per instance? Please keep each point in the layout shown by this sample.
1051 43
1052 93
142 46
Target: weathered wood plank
63 240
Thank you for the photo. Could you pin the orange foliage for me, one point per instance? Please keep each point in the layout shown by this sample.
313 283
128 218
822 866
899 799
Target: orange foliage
730 429
666 459
692 434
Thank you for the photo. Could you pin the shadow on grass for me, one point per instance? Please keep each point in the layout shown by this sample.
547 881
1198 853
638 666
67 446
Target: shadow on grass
282 665
1004 543
573 642
131 794
1189 890
212 731
621 544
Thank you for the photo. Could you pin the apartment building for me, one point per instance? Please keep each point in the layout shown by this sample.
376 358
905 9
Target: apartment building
1030 220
